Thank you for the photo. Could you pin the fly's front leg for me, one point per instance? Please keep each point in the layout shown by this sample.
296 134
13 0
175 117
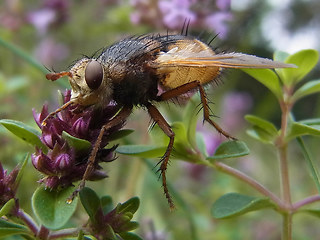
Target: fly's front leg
206 113
120 117
162 123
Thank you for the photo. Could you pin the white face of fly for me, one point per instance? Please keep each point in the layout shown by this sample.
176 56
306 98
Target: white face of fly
90 84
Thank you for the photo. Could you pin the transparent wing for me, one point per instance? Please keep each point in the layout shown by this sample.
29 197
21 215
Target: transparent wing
225 60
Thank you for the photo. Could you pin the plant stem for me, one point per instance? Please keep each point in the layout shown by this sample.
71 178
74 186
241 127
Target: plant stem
69 232
43 233
287 226
282 146
24 55
284 175
250 181
28 221
306 201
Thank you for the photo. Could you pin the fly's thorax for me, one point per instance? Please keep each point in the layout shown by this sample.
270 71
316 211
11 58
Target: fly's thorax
90 83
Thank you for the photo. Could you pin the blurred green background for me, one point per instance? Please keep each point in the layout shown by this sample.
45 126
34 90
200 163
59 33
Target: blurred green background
56 33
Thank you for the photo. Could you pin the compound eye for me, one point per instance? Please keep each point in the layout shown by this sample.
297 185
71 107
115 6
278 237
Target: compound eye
93 74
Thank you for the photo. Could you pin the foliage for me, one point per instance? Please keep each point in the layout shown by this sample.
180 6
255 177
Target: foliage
208 204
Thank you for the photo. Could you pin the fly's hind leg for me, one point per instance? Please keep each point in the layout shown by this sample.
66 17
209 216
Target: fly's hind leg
162 123
206 112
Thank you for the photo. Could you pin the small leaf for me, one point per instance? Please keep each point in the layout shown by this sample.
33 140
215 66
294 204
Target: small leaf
312 121
129 236
235 204
261 135
22 168
131 205
120 134
262 123
7 207
313 212
307 89
299 129
8 228
305 60
230 149
90 202
312 166
51 207
190 118
106 204
77 143
268 78
141 150
24 132
280 56
129 226
201 144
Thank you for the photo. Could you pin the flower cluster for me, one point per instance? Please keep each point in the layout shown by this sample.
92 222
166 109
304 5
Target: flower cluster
108 224
173 13
8 184
64 162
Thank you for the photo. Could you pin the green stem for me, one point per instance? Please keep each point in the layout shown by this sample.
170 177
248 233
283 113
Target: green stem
282 146
248 180
287 226
284 175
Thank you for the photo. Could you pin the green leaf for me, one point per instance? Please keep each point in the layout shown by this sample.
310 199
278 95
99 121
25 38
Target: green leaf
159 138
129 236
280 56
307 89
201 144
261 135
182 149
24 132
90 202
312 121
8 228
310 162
299 129
268 78
51 207
262 130
131 205
120 134
22 168
106 204
235 204
7 207
146 151
230 149
190 118
313 212
262 123
305 60
77 143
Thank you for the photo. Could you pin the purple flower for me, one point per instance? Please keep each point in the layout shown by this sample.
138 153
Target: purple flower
176 12
173 14
41 19
63 163
48 51
218 22
52 12
8 184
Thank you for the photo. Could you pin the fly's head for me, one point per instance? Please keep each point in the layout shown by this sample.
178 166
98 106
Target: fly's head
90 83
